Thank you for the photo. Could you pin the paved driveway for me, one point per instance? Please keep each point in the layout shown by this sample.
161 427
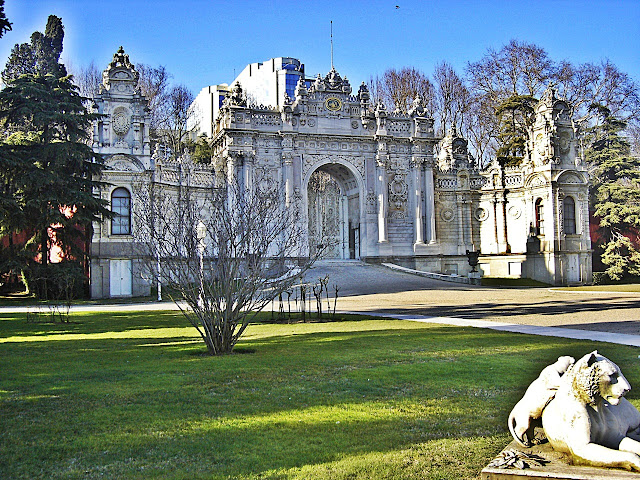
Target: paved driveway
374 288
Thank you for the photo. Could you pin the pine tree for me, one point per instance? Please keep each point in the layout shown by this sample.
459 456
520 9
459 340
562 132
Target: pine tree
5 24
515 115
41 55
616 182
46 168
200 150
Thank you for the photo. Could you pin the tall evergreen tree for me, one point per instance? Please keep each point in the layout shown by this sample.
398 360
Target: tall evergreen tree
5 24
41 55
46 167
515 115
46 170
617 194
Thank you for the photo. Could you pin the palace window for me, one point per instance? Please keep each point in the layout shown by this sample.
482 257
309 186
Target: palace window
121 207
569 215
539 217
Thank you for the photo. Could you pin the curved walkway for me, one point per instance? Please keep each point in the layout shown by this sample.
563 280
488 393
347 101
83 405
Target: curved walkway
597 316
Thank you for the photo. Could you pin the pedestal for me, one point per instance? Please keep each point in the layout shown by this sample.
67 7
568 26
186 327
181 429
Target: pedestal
544 462
475 278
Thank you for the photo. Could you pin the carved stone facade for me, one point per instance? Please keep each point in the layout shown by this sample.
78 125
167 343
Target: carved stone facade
391 190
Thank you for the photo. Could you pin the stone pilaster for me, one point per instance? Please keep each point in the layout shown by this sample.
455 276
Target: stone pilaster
430 212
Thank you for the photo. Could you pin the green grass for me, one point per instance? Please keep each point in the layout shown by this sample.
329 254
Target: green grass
632 287
132 395
21 299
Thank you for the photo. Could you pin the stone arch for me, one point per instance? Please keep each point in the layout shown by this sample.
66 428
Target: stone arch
570 177
536 180
122 162
351 207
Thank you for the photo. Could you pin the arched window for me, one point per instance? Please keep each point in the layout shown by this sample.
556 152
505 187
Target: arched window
539 217
121 207
569 215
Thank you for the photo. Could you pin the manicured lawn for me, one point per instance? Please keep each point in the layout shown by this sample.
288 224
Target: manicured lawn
131 395
621 287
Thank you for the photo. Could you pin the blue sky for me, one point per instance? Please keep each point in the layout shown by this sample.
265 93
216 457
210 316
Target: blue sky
205 42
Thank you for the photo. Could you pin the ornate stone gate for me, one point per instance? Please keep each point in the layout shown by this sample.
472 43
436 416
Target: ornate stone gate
333 212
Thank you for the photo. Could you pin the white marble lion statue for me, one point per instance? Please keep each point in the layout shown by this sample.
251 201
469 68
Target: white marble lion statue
528 411
590 419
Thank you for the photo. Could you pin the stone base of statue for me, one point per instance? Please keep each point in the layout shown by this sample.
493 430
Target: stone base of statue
475 278
541 461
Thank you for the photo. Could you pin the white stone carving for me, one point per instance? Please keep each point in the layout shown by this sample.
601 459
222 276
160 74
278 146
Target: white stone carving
121 121
372 202
537 181
447 214
478 182
590 419
267 119
481 214
124 163
121 166
570 178
584 412
311 159
448 183
538 395
398 195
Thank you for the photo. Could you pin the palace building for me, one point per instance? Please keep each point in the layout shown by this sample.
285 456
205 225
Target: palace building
382 185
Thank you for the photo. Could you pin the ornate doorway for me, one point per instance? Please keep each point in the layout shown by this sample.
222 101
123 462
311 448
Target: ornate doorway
334 212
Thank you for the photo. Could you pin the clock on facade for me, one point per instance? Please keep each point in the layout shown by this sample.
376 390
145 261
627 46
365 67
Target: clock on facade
333 104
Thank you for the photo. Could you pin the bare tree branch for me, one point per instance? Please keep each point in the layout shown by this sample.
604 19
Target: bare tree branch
228 250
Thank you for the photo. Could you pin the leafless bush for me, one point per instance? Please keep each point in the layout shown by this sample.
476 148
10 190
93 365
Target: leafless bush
228 251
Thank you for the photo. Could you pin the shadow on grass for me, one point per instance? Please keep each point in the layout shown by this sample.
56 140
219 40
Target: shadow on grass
124 408
15 324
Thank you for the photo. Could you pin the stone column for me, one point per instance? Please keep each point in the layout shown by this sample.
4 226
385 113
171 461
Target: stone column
470 226
344 210
96 135
584 222
430 203
146 145
381 185
553 201
500 221
288 177
496 223
247 177
460 214
232 179
417 182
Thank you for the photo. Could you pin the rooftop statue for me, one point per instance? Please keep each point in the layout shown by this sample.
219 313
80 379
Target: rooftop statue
584 413
121 59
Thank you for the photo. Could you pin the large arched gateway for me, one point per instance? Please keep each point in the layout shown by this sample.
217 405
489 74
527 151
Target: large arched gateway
333 211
